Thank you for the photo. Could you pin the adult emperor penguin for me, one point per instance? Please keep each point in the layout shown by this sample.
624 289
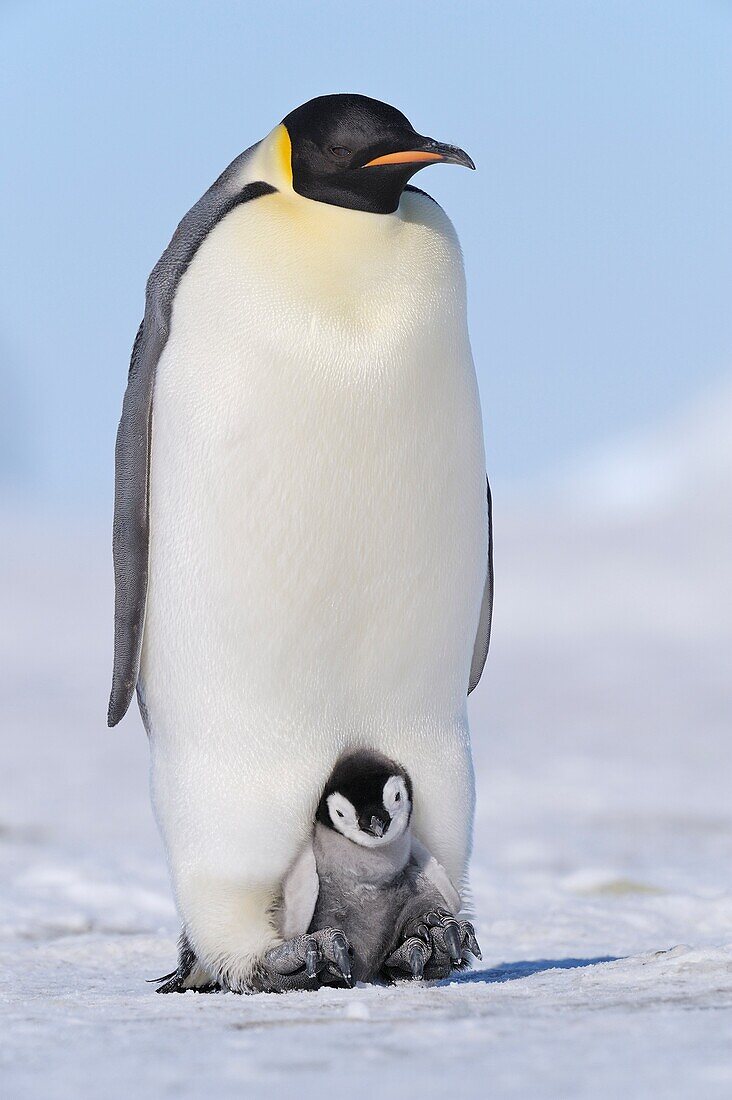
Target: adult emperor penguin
301 539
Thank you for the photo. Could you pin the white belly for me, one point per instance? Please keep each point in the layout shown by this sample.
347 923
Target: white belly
317 495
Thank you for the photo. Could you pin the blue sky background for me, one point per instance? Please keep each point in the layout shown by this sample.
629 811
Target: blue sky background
597 231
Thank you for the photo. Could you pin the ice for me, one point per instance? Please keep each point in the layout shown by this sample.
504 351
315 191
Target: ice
602 872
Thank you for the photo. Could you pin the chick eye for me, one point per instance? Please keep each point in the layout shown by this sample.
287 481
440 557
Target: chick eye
340 151
339 813
398 797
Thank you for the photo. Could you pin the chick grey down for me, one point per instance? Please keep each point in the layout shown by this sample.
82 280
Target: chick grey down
371 894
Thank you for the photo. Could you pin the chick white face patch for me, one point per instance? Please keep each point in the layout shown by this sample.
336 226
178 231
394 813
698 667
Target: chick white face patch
344 816
345 821
397 803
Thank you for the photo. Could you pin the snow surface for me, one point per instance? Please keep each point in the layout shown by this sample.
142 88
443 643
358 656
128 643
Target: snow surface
602 872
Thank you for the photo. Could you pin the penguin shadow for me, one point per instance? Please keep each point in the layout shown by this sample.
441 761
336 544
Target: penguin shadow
514 971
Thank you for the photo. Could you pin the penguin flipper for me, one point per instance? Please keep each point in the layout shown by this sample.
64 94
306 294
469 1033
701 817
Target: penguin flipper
483 637
131 532
131 519
299 894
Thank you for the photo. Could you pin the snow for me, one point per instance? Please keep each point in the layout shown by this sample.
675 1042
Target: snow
602 875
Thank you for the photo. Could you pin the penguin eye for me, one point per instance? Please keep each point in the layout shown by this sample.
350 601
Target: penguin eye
339 813
340 151
398 797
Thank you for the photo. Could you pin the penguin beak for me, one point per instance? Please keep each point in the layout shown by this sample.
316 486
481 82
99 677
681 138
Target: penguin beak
428 152
376 828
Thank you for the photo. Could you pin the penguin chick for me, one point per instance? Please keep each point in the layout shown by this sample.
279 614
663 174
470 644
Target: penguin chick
366 874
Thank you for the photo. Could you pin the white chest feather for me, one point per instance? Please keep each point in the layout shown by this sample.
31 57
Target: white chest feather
317 497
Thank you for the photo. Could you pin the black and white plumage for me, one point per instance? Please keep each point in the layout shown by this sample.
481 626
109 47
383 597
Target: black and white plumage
302 544
366 874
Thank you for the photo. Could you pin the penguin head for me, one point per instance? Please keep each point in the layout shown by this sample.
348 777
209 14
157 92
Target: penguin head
367 799
359 153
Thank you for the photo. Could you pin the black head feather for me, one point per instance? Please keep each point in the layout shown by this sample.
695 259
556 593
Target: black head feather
360 777
337 138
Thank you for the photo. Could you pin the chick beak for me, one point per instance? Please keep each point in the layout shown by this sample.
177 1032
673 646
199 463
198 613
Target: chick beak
426 151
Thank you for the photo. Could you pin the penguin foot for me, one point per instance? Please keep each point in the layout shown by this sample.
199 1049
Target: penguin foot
432 946
189 974
305 963
409 959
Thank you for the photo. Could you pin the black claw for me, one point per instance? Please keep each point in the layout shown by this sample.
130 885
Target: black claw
174 980
312 960
451 932
416 961
163 978
343 959
423 932
473 945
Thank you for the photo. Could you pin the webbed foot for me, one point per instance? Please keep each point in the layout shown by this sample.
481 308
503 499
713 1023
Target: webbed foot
432 946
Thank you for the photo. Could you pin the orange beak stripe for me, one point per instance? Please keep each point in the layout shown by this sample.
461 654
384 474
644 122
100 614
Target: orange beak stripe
407 157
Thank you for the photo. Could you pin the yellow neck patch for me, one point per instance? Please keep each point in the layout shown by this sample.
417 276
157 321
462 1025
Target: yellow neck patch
282 150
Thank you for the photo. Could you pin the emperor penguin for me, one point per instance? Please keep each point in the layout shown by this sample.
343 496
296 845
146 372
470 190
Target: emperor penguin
366 874
302 534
